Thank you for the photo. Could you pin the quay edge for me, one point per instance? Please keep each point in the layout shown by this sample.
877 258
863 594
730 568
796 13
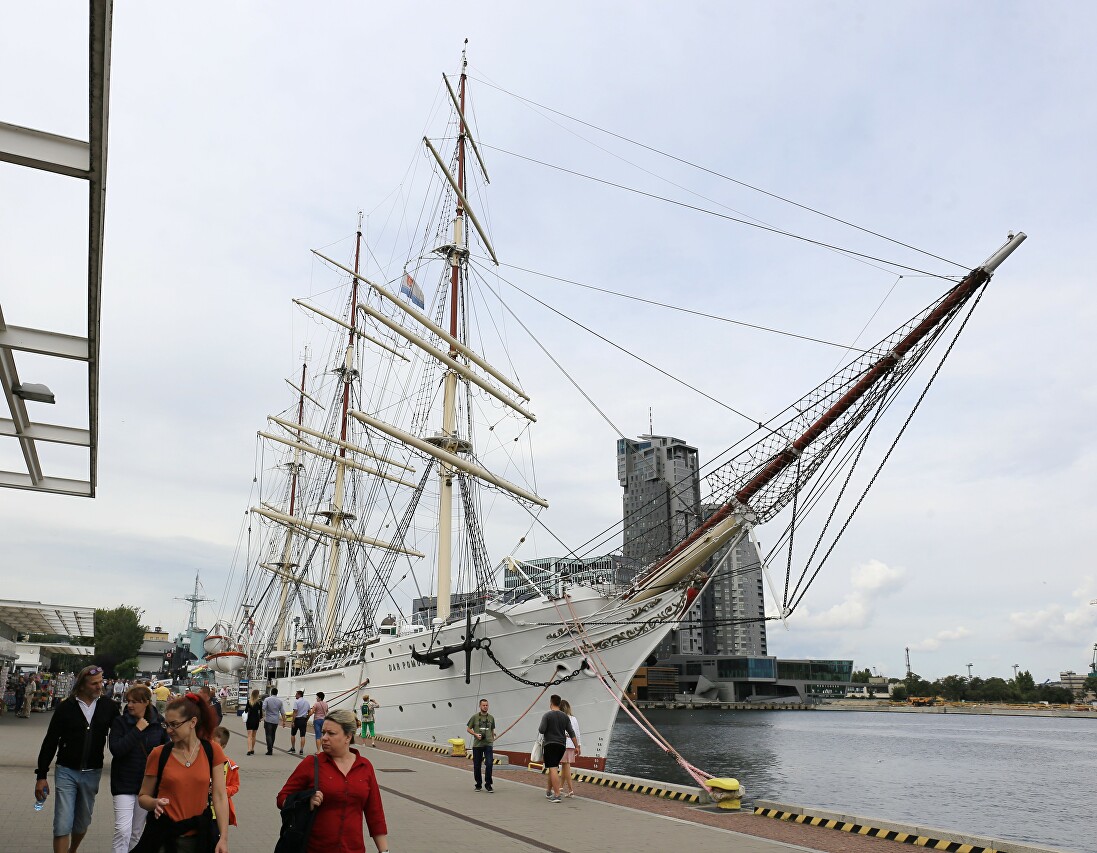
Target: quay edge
929 837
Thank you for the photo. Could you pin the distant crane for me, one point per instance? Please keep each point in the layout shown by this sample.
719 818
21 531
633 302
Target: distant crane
908 661
1093 664
969 666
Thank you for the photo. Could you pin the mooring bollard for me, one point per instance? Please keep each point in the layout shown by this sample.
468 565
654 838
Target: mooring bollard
726 793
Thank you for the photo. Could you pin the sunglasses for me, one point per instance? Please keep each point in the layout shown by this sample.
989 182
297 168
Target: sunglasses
95 670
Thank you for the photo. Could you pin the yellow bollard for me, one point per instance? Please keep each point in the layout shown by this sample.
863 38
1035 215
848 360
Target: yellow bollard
456 747
726 793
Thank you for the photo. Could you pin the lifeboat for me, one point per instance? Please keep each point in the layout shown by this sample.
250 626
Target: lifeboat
227 662
218 640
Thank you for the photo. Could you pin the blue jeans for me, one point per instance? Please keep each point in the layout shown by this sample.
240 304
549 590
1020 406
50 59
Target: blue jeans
75 791
317 725
479 753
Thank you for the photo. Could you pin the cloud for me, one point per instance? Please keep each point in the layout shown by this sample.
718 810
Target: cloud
932 644
869 582
1057 624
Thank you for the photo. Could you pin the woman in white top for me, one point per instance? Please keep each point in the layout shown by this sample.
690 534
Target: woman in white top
569 752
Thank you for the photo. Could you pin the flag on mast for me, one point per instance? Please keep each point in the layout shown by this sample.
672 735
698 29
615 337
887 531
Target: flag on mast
412 291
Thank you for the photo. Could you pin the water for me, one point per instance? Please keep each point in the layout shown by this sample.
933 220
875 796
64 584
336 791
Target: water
1028 779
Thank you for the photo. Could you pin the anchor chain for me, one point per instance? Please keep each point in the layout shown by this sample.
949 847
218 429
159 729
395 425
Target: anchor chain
486 647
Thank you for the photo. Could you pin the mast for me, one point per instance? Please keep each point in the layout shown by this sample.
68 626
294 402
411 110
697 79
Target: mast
285 566
448 439
335 515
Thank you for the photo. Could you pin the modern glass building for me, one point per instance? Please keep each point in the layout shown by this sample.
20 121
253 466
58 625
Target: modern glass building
745 678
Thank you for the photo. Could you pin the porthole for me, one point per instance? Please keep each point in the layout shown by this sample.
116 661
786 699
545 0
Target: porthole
401 708
390 651
450 704
433 705
371 654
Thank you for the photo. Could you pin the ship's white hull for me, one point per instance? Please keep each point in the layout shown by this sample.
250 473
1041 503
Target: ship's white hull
421 702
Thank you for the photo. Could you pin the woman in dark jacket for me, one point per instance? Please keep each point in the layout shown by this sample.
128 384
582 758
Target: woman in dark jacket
254 711
132 737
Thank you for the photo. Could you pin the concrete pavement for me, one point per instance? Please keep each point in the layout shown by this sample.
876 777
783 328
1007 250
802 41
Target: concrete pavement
429 806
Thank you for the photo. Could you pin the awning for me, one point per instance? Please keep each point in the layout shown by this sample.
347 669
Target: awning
34 617
66 649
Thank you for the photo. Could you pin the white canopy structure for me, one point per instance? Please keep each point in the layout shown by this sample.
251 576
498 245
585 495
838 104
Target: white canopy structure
84 161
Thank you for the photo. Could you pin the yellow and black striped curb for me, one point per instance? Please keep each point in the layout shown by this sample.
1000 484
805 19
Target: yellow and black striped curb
875 832
415 744
497 761
428 747
634 787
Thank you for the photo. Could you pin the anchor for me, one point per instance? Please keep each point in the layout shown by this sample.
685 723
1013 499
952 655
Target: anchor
440 657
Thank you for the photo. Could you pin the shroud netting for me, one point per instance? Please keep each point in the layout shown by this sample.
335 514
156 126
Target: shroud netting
728 480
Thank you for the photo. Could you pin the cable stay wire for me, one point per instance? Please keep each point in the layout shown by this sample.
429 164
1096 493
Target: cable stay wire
887 456
631 354
694 312
737 219
719 175
550 356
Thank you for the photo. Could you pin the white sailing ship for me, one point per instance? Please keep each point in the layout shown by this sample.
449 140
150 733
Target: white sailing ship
374 473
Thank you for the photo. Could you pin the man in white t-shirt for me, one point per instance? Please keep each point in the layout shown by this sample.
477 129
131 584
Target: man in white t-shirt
301 711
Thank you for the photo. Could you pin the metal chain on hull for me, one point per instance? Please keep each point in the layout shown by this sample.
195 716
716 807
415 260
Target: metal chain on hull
526 681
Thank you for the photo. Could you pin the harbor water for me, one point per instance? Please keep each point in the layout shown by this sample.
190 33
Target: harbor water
1028 779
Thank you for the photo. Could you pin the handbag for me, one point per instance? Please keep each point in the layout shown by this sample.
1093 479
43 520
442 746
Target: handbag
537 755
297 817
162 832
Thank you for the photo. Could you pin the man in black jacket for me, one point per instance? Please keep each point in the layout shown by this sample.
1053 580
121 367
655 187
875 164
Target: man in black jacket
76 735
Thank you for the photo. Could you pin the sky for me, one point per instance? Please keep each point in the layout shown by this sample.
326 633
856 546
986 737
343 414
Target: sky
243 135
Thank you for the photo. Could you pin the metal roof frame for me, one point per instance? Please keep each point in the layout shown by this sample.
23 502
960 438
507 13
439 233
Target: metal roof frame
34 617
86 161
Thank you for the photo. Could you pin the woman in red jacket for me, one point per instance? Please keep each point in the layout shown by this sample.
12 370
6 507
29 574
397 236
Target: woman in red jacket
348 789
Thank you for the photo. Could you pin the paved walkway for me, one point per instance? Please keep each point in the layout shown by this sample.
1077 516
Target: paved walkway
429 807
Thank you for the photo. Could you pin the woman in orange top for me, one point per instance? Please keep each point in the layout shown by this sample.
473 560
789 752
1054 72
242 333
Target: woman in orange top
188 782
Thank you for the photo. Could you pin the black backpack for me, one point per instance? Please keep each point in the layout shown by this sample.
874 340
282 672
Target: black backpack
297 817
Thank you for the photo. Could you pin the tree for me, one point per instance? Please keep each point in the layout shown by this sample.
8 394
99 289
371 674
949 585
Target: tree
1090 685
1054 695
861 676
953 687
918 686
899 693
1026 686
118 637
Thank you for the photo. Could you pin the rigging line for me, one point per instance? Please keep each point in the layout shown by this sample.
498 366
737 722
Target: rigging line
666 180
899 435
720 175
643 361
895 385
872 317
496 326
551 358
845 347
719 215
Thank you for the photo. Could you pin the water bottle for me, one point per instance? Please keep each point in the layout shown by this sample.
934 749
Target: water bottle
40 804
